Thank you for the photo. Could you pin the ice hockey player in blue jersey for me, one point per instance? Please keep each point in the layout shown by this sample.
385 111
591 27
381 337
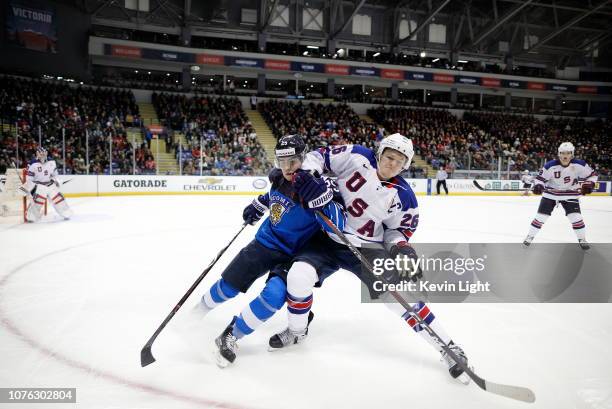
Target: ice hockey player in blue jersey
381 208
288 227
562 181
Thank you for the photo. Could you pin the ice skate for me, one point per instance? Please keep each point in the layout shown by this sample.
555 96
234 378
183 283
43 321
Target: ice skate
527 241
584 245
287 337
454 369
226 346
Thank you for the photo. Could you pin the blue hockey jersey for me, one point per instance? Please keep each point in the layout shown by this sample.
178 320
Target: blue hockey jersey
289 225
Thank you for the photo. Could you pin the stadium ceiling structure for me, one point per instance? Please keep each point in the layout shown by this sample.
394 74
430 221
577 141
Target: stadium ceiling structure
552 33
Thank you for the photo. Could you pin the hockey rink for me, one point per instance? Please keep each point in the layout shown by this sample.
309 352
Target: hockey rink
79 298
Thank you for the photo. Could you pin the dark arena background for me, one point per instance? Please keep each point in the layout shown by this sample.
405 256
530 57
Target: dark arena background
139 156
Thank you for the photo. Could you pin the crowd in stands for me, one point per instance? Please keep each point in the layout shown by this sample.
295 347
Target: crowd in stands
320 124
479 140
219 137
324 125
57 114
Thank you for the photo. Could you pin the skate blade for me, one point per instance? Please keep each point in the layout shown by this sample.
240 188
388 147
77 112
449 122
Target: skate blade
218 359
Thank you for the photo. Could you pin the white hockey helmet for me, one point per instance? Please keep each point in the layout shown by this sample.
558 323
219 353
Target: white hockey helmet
566 147
399 143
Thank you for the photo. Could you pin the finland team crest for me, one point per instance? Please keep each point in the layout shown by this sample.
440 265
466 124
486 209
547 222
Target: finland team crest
278 208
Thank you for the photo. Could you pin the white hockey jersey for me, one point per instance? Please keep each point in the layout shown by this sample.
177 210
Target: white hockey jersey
527 179
41 173
377 212
563 182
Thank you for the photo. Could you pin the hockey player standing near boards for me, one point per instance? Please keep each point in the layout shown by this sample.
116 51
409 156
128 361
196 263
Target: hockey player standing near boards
42 184
381 208
527 180
562 181
441 177
278 239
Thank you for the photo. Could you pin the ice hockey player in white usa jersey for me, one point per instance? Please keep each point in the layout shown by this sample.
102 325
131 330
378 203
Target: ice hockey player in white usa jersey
527 180
381 208
41 184
562 181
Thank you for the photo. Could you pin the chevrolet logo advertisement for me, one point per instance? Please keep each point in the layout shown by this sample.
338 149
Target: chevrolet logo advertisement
210 184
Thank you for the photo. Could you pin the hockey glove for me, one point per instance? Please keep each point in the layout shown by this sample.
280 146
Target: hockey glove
406 253
253 212
312 189
587 188
538 189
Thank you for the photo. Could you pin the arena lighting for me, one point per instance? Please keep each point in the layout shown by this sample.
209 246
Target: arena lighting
422 54
462 61
376 54
312 47
305 53
167 74
195 68
435 60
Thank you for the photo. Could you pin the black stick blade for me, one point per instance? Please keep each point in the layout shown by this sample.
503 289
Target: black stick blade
146 357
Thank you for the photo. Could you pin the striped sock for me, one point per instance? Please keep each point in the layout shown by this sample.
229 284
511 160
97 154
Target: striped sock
537 224
578 225
263 307
298 308
423 311
218 293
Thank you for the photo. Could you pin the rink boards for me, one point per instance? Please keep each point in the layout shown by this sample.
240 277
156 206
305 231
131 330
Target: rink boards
125 185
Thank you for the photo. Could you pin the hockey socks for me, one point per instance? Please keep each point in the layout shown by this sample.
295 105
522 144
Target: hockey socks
537 224
270 300
577 225
423 311
426 315
218 293
300 282
298 308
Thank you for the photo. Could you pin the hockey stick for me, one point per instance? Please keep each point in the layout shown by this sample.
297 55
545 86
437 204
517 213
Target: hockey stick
509 391
146 356
499 190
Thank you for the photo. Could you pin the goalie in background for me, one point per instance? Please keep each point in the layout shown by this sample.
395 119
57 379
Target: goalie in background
42 184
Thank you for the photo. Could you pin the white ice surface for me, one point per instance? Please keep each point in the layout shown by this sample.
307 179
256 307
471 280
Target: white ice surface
79 298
